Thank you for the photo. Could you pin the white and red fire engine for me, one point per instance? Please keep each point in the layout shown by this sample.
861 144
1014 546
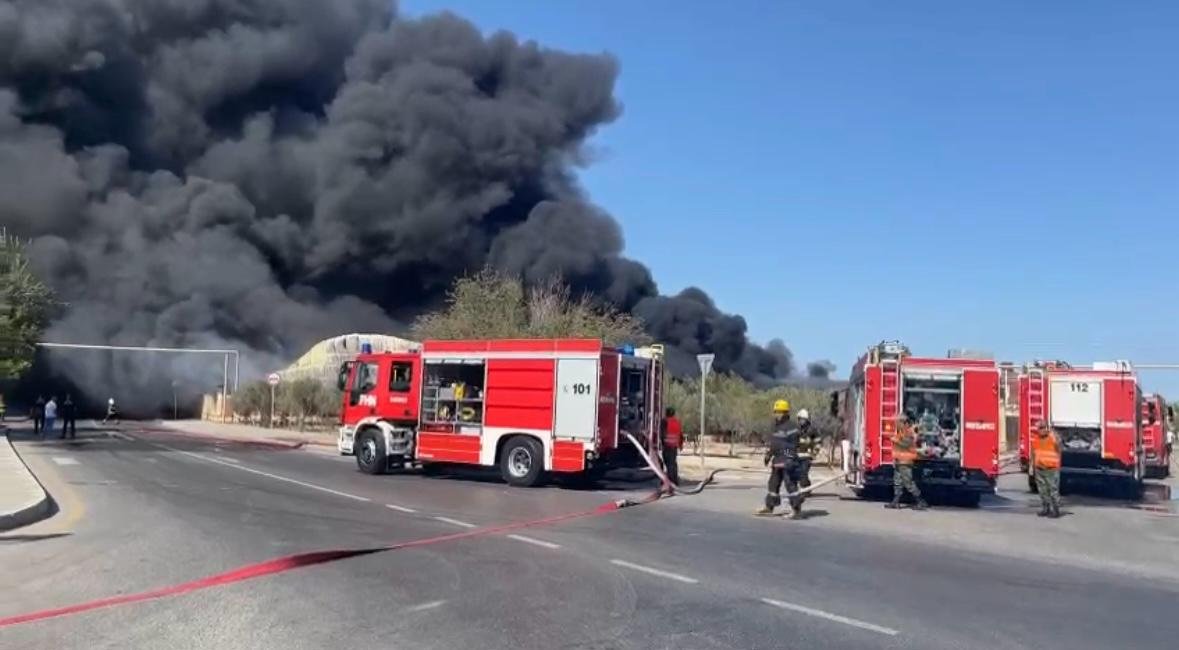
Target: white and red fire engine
1096 412
1157 416
955 405
529 407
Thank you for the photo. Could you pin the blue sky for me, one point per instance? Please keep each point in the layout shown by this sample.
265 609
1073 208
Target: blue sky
999 175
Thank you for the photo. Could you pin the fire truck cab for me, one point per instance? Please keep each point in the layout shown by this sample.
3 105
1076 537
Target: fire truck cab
1157 418
1097 413
955 404
529 407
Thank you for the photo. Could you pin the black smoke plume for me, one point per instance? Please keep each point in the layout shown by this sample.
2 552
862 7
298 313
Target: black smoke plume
820 369
261 174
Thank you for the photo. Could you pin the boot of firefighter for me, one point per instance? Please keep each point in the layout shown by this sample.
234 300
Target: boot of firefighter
764 511
796 512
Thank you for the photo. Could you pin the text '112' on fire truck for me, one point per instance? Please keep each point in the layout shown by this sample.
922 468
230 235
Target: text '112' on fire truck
1096 412
533 408
955 405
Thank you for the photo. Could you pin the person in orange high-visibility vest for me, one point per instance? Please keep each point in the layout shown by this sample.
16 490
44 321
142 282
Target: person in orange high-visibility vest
673 438
1046 464
904 454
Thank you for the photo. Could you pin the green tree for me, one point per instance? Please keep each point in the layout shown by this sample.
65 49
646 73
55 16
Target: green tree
26 305
491 305
253 399
301 398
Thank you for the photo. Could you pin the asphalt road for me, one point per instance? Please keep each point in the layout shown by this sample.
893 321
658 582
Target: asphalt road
147 510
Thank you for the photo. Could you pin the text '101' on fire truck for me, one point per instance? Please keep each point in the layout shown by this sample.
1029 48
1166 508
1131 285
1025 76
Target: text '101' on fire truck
1096 412
955 405
533 408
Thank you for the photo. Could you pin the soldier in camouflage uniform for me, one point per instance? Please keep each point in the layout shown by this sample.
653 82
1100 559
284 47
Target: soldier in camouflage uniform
1046 463
904 454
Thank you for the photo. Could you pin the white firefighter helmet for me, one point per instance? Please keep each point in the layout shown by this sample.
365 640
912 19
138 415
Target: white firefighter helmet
803 414
111 401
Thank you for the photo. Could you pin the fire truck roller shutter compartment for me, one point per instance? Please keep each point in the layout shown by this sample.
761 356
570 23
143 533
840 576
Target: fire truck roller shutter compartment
1074 411
577 399
934 401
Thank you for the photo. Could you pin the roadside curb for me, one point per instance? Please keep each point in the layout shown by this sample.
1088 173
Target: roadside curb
267 442
35 511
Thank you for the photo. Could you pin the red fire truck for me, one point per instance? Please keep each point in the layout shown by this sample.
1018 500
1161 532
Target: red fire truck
1157 416
529 407
1096 412
955 404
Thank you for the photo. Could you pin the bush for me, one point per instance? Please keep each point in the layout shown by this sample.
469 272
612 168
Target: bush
490 305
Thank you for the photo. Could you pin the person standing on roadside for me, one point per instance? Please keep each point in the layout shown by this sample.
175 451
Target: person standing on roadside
50 417
904 454
1046 467
38 414
809 443
112 413
782 457
673 438
69 418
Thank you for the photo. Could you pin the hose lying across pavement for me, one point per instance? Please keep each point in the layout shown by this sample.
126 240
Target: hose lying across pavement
672 488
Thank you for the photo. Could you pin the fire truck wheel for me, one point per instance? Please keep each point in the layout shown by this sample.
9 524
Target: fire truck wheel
522 462
370 452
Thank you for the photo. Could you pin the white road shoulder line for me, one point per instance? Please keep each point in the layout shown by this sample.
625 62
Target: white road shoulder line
830 617
276 477
65 460
424 606
399 508
654 572
533 540
455 522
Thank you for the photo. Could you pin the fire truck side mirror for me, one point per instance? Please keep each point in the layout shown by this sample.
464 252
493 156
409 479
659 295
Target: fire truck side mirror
1171 413
342 376
834 404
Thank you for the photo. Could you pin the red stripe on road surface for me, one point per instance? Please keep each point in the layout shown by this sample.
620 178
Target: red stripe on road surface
279 565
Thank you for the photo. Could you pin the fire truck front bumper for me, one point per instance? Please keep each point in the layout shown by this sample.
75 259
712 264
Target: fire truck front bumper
344 441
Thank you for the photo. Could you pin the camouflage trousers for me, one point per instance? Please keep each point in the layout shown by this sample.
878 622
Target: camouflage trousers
1048 485
902 479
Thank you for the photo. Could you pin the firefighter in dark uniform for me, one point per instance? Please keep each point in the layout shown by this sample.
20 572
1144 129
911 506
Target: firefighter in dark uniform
809 443
904 454
782 457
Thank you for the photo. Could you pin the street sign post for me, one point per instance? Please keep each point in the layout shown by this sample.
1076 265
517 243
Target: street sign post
272 379
705 361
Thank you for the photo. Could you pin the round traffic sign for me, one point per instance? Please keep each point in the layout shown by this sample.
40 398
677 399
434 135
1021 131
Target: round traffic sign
273 378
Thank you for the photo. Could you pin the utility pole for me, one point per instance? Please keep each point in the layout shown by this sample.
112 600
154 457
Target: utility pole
705 361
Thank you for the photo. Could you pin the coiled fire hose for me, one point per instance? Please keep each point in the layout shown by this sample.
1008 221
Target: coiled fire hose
672 488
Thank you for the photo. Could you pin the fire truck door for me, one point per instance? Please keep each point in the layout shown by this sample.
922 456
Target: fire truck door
1120 431
980 419
655 412
577 399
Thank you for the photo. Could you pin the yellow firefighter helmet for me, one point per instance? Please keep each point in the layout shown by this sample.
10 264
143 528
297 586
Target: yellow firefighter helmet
781 406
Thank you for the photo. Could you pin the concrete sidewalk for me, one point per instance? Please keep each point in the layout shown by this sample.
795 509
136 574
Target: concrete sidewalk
22 499
249 433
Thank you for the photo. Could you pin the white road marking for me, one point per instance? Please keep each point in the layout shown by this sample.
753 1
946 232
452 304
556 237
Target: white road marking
424 606
533 540
65 460
120 436
654 572
455 522
230 459
399 508
276 477
830 617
